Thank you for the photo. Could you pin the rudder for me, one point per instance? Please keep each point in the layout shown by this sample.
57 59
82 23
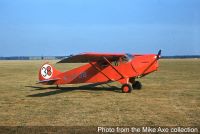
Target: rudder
47 72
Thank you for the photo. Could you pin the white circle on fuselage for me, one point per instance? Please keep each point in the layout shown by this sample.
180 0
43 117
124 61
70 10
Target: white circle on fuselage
46 71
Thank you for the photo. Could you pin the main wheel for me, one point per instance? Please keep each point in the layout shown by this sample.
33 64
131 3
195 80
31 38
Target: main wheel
137 85
126 88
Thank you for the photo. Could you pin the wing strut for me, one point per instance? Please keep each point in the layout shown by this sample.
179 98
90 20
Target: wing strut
134 69
98 69
113 67
142 74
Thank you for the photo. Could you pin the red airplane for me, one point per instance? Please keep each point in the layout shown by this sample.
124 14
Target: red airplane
102 68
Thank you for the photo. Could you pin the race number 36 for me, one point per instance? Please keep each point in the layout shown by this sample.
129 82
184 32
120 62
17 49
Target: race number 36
46 71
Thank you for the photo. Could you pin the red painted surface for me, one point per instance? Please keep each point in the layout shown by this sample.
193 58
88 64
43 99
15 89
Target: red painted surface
97 70
125 89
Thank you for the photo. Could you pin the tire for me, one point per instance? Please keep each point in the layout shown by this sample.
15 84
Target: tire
137 85
127 88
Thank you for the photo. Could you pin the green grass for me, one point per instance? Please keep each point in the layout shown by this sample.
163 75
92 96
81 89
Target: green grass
170 96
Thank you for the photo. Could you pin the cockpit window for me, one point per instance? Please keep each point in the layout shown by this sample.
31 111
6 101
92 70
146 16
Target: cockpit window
116 62
127 58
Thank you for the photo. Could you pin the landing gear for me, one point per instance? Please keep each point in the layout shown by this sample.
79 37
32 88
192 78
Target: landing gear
129 84
137 85
126 88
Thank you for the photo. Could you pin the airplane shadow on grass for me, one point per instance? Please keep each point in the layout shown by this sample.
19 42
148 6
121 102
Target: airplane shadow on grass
90 88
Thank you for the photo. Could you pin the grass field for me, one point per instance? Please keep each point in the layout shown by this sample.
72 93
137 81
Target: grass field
170 96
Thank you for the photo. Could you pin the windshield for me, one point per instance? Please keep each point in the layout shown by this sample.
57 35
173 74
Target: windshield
127 57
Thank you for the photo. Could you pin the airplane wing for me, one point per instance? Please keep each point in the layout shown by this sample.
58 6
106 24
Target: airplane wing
91 57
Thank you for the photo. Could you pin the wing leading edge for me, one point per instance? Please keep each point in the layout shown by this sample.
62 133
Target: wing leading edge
91 57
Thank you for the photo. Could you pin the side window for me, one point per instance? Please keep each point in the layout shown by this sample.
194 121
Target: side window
103 64
124 59
115 63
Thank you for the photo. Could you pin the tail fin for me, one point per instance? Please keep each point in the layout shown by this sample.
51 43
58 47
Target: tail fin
48 72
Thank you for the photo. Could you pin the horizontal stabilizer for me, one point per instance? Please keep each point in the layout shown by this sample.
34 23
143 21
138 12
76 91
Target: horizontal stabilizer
49 81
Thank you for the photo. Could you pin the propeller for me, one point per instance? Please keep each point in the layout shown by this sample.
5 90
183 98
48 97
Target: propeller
158 55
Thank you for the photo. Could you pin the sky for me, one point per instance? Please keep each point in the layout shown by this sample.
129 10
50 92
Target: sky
64 27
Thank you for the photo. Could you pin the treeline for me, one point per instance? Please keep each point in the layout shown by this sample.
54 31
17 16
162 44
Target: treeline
181 57
32 58
60 57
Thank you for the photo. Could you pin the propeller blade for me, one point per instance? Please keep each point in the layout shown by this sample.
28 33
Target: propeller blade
159 53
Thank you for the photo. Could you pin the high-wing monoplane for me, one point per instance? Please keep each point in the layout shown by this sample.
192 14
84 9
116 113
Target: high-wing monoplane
102 68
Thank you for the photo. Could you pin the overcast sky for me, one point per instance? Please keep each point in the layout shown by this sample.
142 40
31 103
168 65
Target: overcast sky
63 27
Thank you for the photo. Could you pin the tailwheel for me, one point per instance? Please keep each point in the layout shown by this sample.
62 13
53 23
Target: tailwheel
126 88
137 85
